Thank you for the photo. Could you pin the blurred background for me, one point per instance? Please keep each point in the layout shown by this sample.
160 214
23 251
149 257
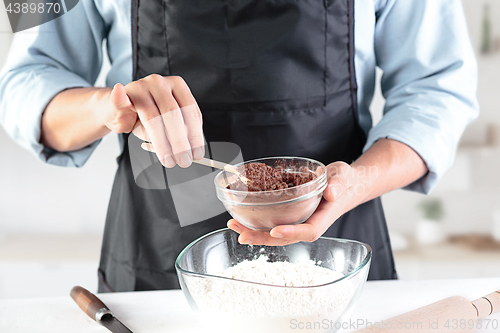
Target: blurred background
52 219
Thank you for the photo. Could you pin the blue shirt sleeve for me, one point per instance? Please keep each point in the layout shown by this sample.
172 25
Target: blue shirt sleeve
429 80
65 53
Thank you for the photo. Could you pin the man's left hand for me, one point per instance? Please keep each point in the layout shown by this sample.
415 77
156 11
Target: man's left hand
343 192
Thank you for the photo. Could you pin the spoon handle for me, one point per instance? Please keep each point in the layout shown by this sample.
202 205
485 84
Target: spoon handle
217 164
204 161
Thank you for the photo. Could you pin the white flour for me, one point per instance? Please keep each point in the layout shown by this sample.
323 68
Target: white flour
239 299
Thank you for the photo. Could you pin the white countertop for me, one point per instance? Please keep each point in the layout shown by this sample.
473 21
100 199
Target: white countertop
168 311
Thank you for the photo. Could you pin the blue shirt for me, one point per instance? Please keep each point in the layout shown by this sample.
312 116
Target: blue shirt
422 46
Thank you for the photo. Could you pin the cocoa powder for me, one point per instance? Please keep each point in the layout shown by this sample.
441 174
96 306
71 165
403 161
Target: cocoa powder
262 177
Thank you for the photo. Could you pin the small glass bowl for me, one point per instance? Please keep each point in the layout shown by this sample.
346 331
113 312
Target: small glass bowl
268 209
230 305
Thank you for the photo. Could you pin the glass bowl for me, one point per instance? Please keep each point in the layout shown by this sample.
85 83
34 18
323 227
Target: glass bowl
230 305
268 209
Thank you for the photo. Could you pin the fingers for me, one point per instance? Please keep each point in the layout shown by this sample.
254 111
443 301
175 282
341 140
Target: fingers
256 237
340 180
177 134
152 121
140 131
182 119
324 216
148 147
192 118
193 121
175 128
169 117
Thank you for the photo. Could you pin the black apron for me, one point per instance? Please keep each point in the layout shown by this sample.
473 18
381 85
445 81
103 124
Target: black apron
274 78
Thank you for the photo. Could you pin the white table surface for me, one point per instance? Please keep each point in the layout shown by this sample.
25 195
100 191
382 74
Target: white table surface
168 311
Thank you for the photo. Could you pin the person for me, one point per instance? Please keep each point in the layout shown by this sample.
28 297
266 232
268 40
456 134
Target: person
287 78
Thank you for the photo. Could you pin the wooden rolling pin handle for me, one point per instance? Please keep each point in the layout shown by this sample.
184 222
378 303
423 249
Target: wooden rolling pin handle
89 303
487 305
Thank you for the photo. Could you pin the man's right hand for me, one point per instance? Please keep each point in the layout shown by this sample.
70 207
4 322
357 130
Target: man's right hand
162 110
158 109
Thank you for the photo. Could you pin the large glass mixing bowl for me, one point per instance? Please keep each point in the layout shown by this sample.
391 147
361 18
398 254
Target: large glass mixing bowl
268 209
229 305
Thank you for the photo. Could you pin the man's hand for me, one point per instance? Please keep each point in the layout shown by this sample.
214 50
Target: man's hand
159 109
386 166
162 110
343 192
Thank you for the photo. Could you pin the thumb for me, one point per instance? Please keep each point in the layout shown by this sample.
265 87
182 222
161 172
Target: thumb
337 186
338 181
119 97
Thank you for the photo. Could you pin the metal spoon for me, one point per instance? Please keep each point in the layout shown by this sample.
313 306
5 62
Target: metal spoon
207 162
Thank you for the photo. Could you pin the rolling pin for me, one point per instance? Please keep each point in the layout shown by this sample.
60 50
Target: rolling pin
455 314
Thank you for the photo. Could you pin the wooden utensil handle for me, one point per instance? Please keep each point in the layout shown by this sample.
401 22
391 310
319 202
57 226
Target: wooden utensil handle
89 303
217 164
204 161
488 304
